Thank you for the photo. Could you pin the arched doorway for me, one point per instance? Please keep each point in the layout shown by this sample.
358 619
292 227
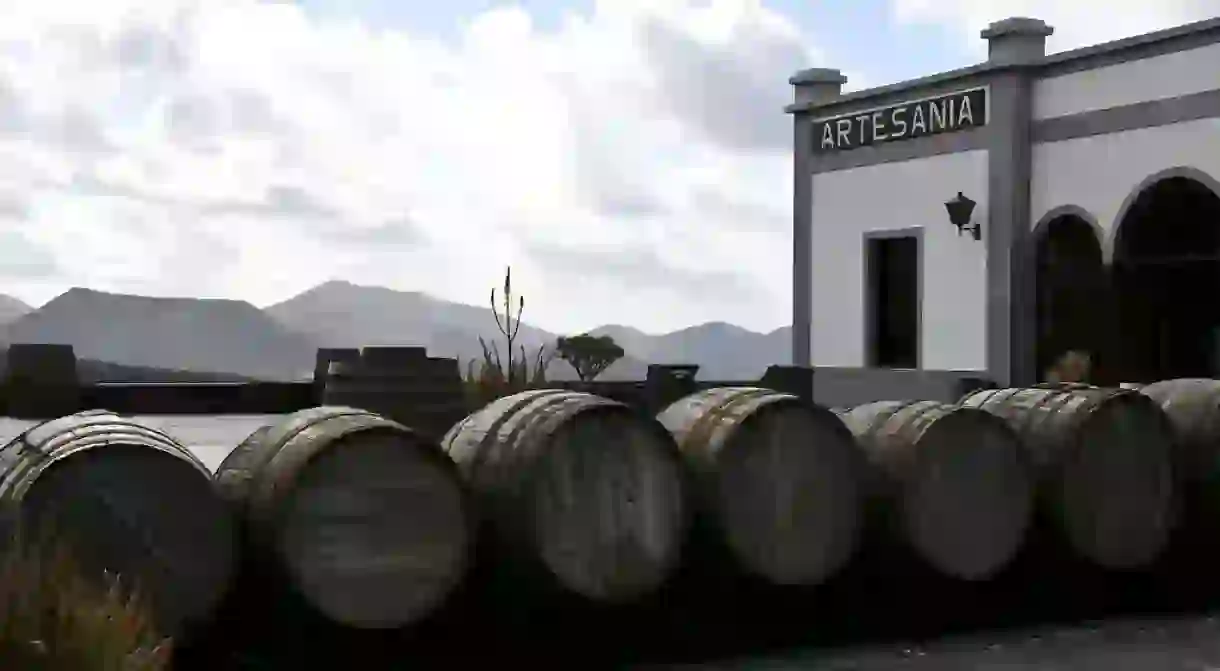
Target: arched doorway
1072 288
1165 270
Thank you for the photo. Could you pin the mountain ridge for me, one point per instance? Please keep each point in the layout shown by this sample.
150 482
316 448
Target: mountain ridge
232 337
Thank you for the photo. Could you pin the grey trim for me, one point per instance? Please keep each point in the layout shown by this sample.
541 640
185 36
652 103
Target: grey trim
1147 114
1179 38
1110 241
915 232
1168 41
1039 231
802 243
892 94
846 387
1010 333
893 152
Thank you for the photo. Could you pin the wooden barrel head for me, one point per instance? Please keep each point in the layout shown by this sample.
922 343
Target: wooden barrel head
789 494
1193 408
1117 487
375 528
610 511
144 514
968 498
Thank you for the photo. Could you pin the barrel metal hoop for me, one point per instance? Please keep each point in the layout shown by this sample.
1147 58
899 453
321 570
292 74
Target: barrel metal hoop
263 489
705 431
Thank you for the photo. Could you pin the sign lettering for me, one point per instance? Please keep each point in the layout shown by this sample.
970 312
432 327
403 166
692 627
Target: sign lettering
905 121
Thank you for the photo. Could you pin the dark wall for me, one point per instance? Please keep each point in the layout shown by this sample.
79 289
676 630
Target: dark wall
45 384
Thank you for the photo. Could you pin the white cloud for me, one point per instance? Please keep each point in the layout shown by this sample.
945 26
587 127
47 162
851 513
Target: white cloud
1077 23
245 149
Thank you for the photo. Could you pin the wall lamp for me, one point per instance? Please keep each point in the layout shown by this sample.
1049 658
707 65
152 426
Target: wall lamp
960 210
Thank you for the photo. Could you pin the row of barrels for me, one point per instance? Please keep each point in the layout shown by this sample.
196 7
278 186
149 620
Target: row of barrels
375 525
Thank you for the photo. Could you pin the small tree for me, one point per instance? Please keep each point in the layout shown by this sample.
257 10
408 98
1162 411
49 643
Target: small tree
589 355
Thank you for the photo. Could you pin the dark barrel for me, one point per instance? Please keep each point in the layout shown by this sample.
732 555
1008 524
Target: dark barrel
1103 458
579 486
366 519
778 476
954 482
1193 408
402 384
128 500
40 381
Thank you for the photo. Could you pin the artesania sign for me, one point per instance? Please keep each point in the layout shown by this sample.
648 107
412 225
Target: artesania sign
905 121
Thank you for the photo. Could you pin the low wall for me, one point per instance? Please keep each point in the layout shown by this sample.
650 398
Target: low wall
46 384
845 387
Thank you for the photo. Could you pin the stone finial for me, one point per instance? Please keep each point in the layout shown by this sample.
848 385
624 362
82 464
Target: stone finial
817 85
1016 40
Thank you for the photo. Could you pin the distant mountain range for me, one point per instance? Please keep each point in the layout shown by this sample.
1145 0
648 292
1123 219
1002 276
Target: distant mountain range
230 338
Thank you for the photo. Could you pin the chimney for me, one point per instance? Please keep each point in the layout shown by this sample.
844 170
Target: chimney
816 86
1016 40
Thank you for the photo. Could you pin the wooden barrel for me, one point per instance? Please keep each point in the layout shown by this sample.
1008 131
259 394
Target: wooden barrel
579 486
954 481
129 500
422 392
1104 463
1193 408
780 478
367 519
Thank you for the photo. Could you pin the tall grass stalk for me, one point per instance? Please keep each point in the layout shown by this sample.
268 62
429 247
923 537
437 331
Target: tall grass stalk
54 618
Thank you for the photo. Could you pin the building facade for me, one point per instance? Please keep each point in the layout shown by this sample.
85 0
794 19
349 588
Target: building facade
1085 187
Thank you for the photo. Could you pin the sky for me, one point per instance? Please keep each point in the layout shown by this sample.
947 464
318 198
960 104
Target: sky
629 159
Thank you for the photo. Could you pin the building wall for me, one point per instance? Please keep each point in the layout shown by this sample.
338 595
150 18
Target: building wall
1164 76
1099 173
848 204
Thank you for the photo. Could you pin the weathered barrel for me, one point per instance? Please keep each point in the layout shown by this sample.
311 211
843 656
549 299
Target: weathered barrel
954 482
403 384
128 500
779 476
1104 462
1193 408
367 519
579 486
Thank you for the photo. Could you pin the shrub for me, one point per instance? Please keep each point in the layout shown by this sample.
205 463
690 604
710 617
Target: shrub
494 377
54 619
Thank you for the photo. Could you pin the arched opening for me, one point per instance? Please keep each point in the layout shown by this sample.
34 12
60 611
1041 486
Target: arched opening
1166 265
1072 290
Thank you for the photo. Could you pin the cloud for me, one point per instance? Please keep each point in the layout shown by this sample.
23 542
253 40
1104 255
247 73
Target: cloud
249 149
1079 23
20 258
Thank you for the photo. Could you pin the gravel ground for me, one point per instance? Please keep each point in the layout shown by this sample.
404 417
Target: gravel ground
1191 644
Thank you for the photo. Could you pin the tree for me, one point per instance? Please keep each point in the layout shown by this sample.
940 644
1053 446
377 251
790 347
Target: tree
588 355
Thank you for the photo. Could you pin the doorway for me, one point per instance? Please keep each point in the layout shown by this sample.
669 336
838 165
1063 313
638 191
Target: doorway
1165 272
1072 291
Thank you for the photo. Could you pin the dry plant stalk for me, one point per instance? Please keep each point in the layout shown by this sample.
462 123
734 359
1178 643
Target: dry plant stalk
494 377
54 619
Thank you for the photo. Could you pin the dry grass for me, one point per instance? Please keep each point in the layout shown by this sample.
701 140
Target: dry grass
54 619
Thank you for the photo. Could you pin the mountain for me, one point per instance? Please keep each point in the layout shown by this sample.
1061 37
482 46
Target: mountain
11 309
342 314
190 334
722 351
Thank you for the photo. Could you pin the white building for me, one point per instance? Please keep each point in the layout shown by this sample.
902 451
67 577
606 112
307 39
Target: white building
1095 175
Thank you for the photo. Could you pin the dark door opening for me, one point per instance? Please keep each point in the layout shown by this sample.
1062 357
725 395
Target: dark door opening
893 302
1166 267
1072 293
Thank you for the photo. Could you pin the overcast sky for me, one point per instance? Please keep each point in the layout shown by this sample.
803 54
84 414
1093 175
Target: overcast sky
629 158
